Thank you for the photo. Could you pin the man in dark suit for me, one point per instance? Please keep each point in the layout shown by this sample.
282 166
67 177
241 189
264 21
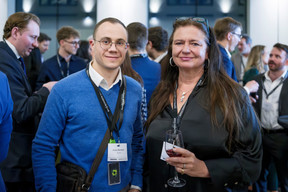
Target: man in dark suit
228 34
34 61
240 58
20 37
272 104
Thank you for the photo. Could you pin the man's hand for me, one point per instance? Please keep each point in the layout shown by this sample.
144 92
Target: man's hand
252 86
50 85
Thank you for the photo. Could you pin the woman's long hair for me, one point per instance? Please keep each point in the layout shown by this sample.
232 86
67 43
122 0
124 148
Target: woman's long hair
127 69
255 58
224 93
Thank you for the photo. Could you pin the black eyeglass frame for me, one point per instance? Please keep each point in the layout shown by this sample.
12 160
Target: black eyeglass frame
238 35
126 44
73 42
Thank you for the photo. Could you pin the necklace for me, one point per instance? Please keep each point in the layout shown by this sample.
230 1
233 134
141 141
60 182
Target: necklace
183 95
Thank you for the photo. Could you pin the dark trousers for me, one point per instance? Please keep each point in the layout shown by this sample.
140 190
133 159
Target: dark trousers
275 146
20 187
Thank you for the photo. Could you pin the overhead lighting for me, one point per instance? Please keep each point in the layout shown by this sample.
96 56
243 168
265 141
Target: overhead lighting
225 5
155 6
27 5
88 21
88 5
154 21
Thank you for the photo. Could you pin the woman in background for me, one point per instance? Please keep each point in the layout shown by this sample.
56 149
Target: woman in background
257 60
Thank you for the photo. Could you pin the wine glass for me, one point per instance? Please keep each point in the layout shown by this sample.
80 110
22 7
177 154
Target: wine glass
174 139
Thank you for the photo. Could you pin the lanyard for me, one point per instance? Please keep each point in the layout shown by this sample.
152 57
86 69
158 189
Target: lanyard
273 90
59 64
177 118
119 110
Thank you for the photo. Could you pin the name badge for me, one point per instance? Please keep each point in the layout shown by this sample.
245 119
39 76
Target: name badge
165 146
117 152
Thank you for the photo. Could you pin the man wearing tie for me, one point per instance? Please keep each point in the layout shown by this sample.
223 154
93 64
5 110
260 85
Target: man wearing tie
21 31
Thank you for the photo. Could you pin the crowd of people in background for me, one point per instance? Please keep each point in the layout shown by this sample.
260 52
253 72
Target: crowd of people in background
104 106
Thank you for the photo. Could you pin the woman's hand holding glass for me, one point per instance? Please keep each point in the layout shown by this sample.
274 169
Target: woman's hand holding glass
188 164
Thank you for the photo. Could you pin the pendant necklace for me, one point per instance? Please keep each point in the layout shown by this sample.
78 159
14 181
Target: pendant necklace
183 95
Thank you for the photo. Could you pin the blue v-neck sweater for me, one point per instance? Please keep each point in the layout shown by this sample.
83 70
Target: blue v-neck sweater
74 118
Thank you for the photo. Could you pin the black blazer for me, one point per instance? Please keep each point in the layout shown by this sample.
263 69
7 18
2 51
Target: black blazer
18 165
33 64
227 170
283 99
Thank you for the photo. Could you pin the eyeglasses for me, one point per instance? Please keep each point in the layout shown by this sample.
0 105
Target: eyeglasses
73 42
196 19
238 35
106 43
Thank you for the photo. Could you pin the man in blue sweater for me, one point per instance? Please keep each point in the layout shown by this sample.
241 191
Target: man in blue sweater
6 107
74 118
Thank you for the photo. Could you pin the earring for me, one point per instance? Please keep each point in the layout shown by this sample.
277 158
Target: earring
171 62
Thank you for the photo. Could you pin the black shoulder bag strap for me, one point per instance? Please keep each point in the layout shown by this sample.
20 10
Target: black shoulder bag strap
111 125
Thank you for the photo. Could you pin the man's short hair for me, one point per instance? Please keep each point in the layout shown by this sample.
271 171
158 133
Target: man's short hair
247 38
225 25
109 20
137 36
159 38
20 20
43 37
66 32
283 47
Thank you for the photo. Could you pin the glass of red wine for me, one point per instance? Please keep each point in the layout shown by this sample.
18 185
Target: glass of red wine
174 139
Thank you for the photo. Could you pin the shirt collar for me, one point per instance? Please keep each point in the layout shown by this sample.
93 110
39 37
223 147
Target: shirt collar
100 81
281 77
228 53
12 47
63 59
158 59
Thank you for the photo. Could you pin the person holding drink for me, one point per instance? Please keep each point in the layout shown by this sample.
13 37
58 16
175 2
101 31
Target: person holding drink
221 133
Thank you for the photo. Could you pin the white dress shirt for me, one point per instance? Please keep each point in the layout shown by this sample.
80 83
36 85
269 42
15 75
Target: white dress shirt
270 105
100 81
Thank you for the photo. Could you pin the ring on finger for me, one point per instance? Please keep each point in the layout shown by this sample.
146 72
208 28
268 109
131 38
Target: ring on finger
183 166
182 171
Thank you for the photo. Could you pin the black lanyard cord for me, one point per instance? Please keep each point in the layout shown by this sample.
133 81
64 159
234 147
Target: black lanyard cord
119 109
273 90
178 117
59 64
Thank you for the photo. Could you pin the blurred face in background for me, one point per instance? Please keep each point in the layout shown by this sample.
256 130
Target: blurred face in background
277 59
243 47
235 37
43 46
265 56
70 45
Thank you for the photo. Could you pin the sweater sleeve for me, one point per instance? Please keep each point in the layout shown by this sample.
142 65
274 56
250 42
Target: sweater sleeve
6 107
45 142
137 150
